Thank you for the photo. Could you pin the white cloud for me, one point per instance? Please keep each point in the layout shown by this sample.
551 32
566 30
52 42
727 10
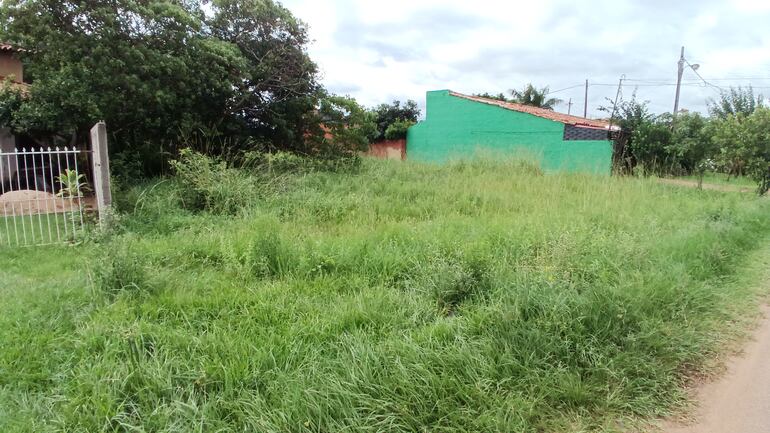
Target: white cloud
378 51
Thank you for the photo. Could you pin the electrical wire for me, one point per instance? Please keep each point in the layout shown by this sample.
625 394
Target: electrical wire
566 88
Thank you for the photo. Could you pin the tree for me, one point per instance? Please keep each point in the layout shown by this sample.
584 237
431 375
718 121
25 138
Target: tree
649 144
535 97
158 70
692 147
386 115
630 116
347 127
744 144
758 158
734 102
276 83
10 101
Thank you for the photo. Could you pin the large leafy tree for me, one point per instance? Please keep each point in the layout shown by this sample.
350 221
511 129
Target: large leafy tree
157 70
531 95
276 87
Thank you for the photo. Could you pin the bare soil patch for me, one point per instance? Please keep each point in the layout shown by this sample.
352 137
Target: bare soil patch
740 400
709 186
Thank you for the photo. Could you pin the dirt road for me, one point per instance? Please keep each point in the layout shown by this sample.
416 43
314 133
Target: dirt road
739 402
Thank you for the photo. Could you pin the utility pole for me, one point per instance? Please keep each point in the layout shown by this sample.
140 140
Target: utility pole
617 96
569 106
679 82
585 102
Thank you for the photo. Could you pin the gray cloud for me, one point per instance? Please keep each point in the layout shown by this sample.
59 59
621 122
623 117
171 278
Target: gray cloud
558 43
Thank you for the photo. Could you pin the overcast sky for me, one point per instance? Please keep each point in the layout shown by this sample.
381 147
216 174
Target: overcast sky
378 51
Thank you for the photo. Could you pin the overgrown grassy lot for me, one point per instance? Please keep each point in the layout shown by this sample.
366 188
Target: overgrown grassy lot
398 297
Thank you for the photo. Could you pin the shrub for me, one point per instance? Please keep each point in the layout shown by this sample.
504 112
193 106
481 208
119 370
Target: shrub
211 184
398 129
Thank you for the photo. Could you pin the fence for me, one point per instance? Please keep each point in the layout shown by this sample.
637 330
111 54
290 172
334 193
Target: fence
45 197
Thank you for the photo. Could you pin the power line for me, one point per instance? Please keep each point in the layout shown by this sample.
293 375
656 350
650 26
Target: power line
566 88
701 77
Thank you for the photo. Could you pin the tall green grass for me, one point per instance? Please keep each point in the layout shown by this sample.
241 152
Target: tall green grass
477 296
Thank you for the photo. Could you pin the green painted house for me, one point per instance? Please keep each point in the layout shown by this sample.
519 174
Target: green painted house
459 126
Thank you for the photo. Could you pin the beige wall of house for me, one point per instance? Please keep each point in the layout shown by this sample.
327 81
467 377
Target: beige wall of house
10 65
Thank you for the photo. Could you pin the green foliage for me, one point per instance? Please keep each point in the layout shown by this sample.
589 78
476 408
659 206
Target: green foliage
10 101
211 184
661 145
121 271
474 296
398 129
536 97
498 97
388 115
156 71
349 128
72 184
736 101
649 145
744 143
692 147
758 158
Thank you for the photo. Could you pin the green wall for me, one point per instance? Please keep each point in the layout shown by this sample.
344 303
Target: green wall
457 128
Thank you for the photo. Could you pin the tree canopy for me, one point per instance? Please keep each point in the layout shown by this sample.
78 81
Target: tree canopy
737 100
531 95
156 70
395 118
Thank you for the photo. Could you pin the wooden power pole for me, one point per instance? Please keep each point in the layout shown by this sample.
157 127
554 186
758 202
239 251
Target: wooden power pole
679 81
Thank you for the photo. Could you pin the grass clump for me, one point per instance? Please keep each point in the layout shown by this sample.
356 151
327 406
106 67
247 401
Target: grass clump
475 296
121 271
212 184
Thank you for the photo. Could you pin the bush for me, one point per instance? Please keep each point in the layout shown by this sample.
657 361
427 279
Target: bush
398 129
211 184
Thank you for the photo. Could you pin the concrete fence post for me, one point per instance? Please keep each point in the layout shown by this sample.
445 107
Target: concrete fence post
101 169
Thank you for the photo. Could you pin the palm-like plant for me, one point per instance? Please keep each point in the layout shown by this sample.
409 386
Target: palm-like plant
535 97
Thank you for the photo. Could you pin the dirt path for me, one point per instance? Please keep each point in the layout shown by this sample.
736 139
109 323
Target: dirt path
711 186
739 402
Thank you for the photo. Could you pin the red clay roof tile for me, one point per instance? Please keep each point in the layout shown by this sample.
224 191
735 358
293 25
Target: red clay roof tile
541 112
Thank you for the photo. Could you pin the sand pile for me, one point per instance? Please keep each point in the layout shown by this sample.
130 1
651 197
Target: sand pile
29 202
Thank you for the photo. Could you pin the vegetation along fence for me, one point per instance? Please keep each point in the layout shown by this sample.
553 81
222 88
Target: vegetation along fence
47 194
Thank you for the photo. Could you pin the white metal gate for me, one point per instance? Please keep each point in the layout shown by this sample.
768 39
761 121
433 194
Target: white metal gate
42 196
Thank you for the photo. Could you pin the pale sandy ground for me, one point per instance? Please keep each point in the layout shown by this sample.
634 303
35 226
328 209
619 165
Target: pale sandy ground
28 202
739 401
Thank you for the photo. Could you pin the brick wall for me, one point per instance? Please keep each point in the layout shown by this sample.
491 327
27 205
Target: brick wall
388 149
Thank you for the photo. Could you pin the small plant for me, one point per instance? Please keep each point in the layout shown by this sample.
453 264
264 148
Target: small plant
73 184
